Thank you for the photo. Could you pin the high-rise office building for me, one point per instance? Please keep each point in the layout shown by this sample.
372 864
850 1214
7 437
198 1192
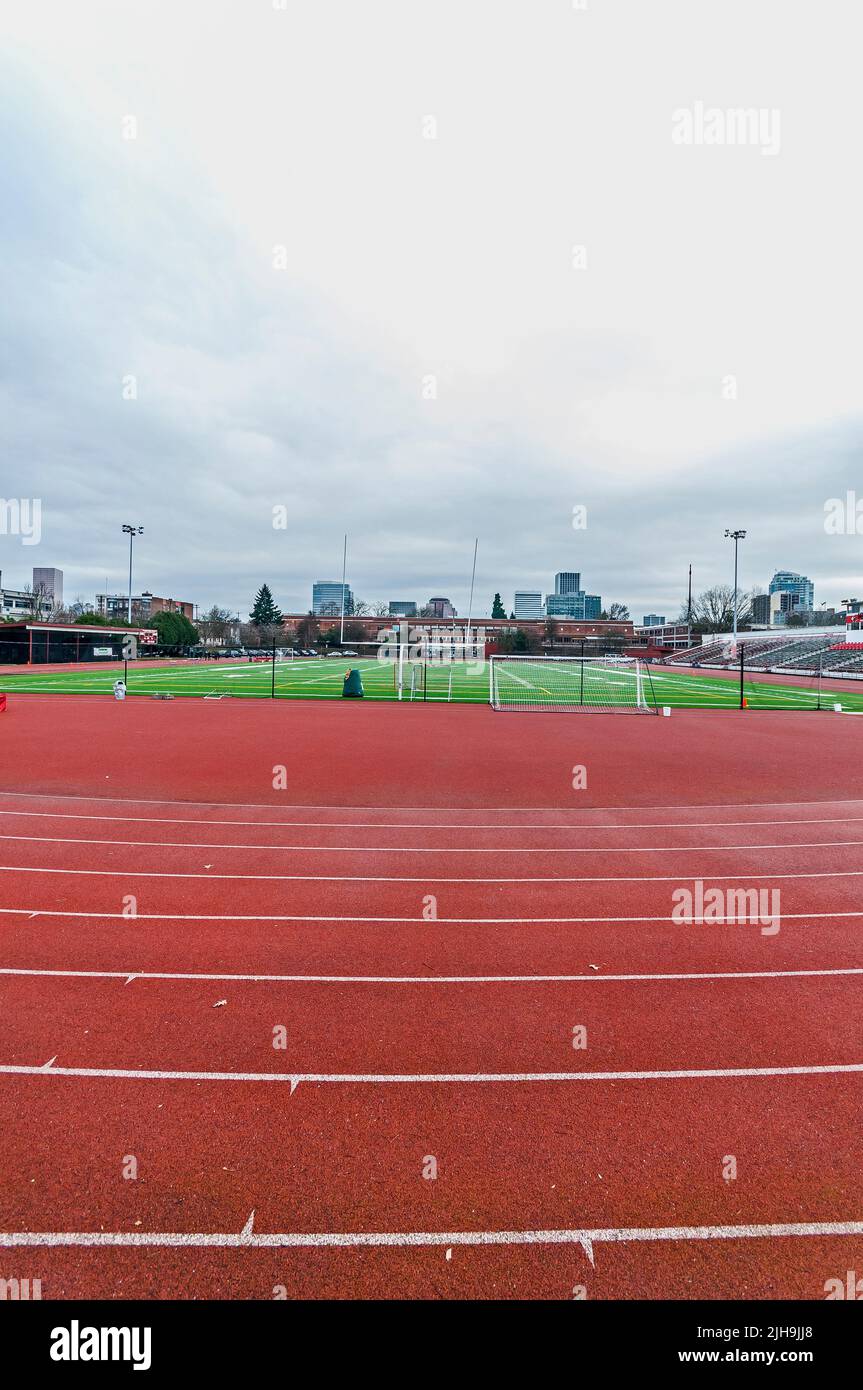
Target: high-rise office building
327 598
441 608
652 620
761 608
566 582
49 582
528 603
402 608
579 605
787 582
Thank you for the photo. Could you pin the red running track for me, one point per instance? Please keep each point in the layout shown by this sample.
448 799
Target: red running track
386 973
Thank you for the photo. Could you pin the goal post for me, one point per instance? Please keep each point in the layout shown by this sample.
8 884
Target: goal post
432 667
602 683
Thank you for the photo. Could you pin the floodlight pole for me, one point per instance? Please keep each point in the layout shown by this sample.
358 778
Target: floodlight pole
344 573
131 532
735 536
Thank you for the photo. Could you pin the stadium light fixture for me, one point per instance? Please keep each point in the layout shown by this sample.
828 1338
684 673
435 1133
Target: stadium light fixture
735 536
131 532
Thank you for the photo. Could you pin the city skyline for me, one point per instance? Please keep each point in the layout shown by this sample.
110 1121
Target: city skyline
481 608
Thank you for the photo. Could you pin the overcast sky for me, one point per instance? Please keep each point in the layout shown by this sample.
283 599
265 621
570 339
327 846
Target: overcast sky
300 378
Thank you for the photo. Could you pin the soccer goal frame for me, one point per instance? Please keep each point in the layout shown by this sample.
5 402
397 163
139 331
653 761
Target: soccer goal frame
604 684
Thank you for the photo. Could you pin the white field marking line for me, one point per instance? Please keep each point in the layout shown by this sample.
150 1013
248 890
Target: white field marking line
587 1239
513 677
422 825
462 810
426 1078
763 876
351 917
762 690
407 849
129 975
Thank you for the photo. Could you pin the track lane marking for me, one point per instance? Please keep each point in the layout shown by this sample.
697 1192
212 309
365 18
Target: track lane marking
128 975
587 1237
461 810
426 1078
422 849
430 825
352 917
763 876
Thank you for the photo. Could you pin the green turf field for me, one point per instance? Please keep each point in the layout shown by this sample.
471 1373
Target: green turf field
321 678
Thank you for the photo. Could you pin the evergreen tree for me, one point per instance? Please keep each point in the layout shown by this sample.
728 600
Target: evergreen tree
264 611
174 629
497 608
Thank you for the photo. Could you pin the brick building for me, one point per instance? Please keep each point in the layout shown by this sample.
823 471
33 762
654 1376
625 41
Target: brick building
567 631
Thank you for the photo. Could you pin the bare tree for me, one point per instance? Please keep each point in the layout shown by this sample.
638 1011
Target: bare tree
40 602
713 610
215 627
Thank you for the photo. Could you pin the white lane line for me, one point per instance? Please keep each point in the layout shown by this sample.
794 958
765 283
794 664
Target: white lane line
352 917
431 825
424 1078
764 875
461 810
130 974
423 849
587 1238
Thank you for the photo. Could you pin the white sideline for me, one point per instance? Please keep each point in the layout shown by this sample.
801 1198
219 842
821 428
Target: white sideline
248 1238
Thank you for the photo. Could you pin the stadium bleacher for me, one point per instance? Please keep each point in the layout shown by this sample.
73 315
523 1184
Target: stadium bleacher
808 655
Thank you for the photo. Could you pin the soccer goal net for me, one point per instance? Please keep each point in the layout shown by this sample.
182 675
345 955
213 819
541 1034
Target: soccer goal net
570 682
428 669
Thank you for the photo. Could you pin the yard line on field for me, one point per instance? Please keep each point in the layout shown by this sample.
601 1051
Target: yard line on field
131 974
295 1079
587 1237
762 874
512 676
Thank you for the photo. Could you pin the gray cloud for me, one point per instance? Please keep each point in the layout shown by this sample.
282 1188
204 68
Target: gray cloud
258 388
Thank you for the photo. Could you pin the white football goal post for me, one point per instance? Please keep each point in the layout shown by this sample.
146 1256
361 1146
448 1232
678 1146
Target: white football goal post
609 683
